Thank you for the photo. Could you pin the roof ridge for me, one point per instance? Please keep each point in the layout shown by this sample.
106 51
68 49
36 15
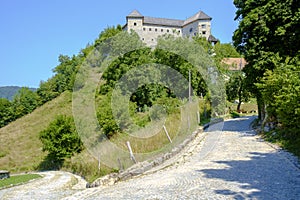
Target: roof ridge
164 18
199 15
135 13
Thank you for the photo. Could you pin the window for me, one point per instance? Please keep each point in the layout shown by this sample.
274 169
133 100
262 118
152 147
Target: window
191 30
162 30
134 23
143 39
144 29
150 29
156 30
168 30
203 26
203 32
178 31
195 34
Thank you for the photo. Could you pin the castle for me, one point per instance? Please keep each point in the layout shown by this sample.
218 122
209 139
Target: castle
150 28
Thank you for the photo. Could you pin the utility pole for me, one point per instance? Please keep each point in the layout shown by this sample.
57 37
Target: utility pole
190 87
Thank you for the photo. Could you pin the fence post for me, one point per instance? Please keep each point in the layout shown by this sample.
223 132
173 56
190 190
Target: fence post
99 162
189 123
168 136
130 151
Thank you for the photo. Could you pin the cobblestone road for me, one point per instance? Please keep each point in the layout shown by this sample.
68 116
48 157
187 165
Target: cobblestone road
229 164
232 164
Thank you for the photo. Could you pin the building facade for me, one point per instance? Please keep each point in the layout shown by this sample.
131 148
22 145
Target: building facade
150 28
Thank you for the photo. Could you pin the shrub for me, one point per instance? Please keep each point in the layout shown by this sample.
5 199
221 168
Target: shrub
60 139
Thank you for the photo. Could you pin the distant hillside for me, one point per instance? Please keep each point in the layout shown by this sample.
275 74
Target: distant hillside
8 92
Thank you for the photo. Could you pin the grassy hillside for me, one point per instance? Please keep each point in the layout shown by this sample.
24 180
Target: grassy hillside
21 149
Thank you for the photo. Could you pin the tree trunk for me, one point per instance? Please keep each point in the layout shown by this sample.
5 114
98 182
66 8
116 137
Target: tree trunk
239 106
261 108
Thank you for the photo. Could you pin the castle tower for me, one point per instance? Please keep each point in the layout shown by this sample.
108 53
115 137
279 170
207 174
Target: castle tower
135 21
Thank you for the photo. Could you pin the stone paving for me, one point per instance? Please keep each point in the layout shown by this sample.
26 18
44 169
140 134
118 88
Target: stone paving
230 164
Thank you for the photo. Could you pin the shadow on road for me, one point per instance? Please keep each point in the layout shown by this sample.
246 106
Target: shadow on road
241 124
265 175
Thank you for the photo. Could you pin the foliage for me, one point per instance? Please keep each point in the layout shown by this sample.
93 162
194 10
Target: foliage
63 79
5 112
235 89
108 33
225 50
105 116
281 92
24 102
60 139
267 34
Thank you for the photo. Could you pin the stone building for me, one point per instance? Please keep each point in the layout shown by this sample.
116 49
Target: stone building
150 28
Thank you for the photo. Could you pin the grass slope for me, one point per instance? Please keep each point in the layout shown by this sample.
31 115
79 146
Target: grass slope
21 149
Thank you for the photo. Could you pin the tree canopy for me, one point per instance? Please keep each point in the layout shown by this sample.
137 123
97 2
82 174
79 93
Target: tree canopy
268 36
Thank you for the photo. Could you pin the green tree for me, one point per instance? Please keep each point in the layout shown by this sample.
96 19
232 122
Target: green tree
235 89
24 102
268 33
5 112
60 139
281 91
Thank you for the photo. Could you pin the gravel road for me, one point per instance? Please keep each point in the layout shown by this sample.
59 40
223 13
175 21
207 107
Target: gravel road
231 164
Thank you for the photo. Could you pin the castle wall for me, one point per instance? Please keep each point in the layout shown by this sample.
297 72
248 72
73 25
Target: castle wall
152 32
149 33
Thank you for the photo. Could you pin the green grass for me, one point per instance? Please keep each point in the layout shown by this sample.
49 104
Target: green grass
17 180
277 137
21 149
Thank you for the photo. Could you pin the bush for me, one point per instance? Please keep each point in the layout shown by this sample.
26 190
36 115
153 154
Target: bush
60 139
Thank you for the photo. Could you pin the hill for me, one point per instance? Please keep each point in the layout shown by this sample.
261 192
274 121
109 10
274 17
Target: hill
21 149
8 92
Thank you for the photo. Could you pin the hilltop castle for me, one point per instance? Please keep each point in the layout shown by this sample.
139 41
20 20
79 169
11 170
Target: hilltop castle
149 28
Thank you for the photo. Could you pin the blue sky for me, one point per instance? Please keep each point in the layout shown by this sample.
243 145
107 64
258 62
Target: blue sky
34 33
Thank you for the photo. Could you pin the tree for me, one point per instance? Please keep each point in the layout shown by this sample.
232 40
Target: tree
60 139
24 102
235 89
281 91
5 112
268 33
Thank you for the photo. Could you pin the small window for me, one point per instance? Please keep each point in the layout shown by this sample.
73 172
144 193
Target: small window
204 32
143 39
195 34
203 26
150 29
191 30
156 30
179 31
134 23
144 29
162 30
168 30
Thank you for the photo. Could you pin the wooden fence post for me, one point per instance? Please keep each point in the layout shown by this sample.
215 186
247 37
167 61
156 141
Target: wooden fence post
167 134
130 151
